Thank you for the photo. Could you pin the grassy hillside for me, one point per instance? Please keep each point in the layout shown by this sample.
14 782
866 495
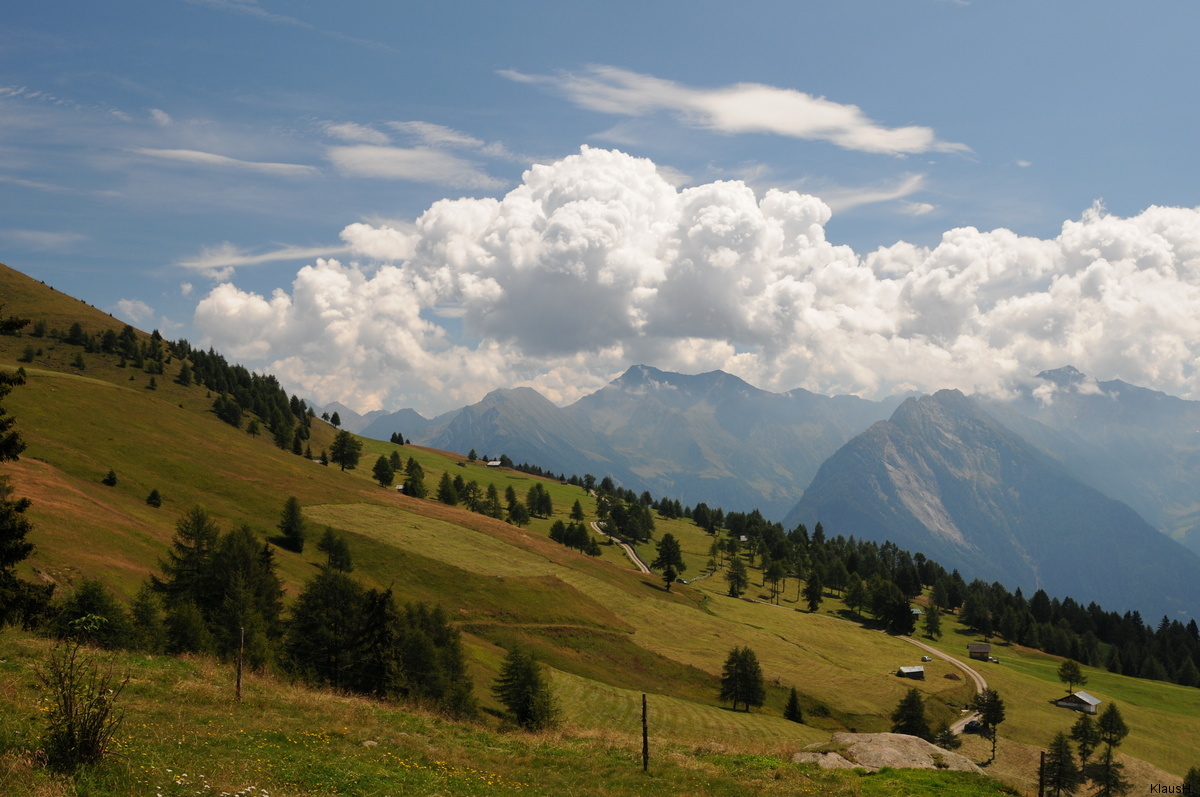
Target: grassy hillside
608 632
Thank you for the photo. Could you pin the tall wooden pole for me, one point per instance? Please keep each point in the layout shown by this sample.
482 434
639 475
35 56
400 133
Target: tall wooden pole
1042 776
241 647
645 737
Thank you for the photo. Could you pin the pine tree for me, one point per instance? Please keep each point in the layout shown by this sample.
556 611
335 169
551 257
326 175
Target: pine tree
110 478
414 481
814 592
346 450
446 492
524 690
154 499
1061 775
933 622
1070 674
149 633
325 630
577 511
1086 736
991 713
737 577
742 679
337 552
1107 774
185 571
291 525
792 710
669 559
383 472
909 716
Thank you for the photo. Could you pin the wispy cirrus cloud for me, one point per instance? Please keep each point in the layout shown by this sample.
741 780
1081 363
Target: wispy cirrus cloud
354 133
419 164
219 262
44 240
842 199
251 8
739 108
212 159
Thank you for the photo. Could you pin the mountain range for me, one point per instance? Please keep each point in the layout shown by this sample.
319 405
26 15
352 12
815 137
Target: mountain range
1080 487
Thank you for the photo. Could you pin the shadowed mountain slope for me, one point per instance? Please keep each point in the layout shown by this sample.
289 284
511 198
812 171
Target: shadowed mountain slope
944 477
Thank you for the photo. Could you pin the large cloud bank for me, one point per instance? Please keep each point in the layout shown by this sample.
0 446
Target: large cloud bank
596 262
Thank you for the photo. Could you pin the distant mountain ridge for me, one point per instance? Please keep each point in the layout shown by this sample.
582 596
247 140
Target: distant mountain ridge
944 477
708 437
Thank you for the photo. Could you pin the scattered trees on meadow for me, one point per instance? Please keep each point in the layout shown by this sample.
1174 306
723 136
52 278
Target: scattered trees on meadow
909 716
669 559
742 679
991 710
1070 674
792 711
345 450
1061 775
525 691
292 525
383 471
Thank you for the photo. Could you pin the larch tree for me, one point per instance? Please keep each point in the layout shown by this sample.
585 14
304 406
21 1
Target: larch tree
1070 674
909 716
742 679
525 691
291 525
669 559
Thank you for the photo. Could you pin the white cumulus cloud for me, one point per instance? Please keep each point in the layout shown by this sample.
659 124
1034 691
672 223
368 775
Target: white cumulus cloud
596 262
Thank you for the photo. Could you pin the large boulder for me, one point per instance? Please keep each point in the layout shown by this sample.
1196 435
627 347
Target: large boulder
873 751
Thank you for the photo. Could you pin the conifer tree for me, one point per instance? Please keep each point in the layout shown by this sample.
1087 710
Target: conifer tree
737 577
792 710
909 716
525 691
1087 737
185 570
669 559
1061 775
742 679
383 472
933 622
446 492
291 525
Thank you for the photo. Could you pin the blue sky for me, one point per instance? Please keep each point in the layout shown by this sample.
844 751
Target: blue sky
251 175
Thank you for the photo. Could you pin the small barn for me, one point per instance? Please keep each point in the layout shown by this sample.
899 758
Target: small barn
917 673
1080 701
979 650
494 463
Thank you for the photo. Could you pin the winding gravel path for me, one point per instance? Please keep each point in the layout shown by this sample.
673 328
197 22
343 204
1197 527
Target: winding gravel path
633 557
980 683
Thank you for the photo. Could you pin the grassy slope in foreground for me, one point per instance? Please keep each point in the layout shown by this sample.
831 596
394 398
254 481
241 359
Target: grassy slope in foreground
185 735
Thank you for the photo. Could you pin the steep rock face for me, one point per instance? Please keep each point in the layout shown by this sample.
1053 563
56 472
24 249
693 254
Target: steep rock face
944 477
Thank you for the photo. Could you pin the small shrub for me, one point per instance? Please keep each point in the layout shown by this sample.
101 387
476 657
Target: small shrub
110 478
84 715
154 499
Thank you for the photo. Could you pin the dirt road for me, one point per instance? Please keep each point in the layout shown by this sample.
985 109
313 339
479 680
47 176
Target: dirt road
633 557
980 683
